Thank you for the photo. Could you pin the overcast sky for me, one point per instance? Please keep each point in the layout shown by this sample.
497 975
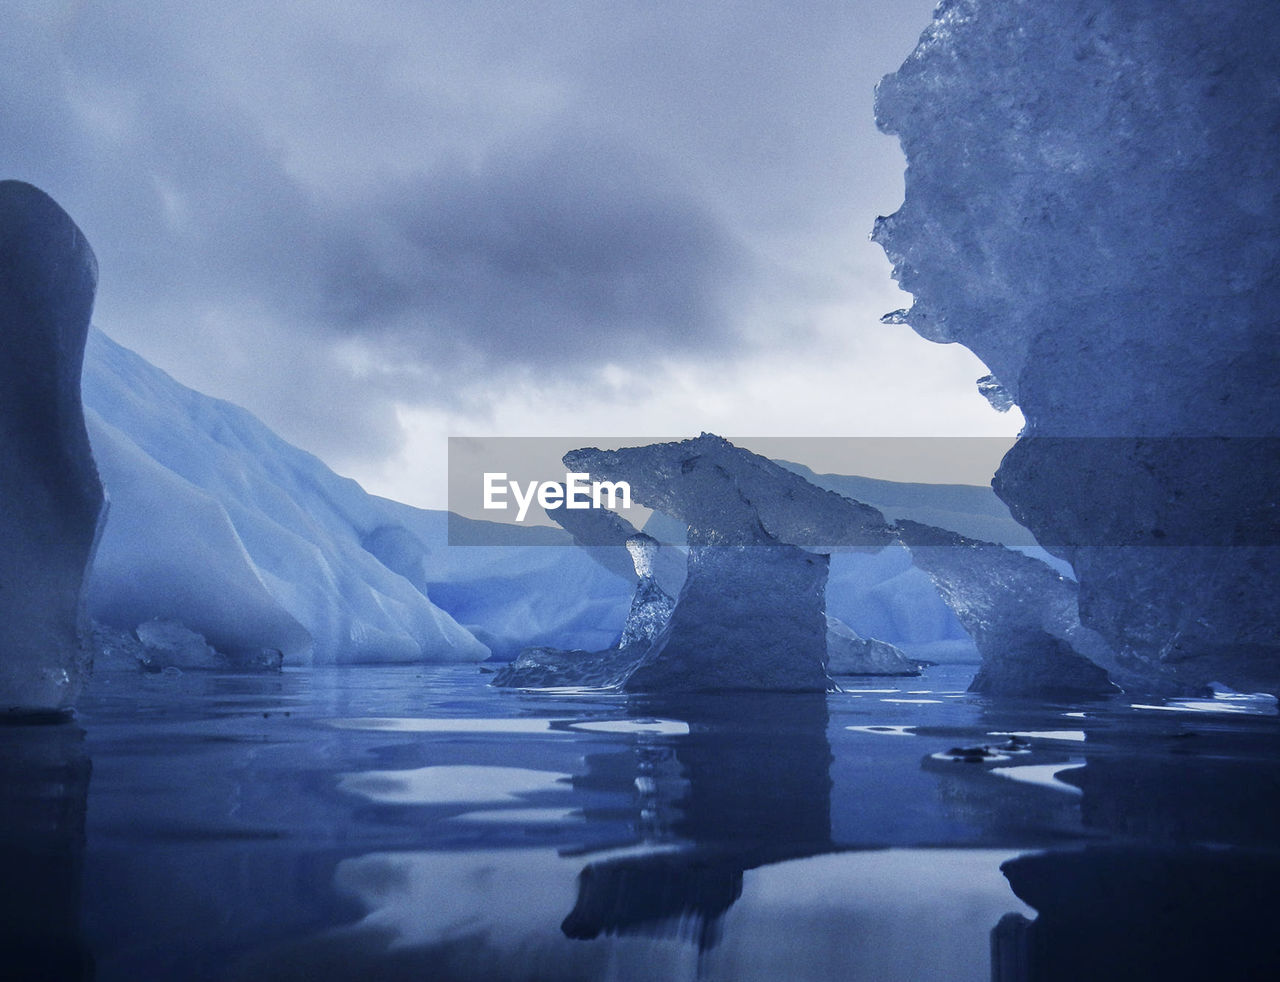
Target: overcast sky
377 224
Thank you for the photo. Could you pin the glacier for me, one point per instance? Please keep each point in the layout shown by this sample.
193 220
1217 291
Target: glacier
51 499
1091 208
221 526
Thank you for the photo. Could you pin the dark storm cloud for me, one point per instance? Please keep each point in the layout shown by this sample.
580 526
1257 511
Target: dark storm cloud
452 191
566 249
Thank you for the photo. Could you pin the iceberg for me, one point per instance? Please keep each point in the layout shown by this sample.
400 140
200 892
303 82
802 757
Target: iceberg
50 496
751 613
1090 208
511 595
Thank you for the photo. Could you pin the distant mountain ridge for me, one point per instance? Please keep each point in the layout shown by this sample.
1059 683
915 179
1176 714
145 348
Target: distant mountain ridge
969 509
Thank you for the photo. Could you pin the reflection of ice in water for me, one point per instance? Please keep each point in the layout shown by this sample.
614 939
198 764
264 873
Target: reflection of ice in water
524 816
457 725
1076 736
665 727
969 760
890 730
451 784
426 898
930 912
1044 775
915 702
1226 701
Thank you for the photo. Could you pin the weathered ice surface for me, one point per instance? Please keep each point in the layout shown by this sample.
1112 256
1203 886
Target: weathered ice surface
849 654
749 617
751 612
1091 208
651 606
50 497
730 496
1021 614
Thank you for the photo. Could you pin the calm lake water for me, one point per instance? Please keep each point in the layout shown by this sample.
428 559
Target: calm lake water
372 823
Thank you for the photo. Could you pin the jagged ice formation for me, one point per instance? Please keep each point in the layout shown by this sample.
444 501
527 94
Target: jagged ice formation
1092 208
1021 614
751 612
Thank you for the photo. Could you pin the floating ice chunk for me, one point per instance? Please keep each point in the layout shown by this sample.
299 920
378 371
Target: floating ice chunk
1090 208
170 644
1043 775
850 654
651 607
449 725
748 617
730 496
662 727
1022 615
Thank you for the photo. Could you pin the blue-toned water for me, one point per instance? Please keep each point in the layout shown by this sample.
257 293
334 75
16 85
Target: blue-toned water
372 823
